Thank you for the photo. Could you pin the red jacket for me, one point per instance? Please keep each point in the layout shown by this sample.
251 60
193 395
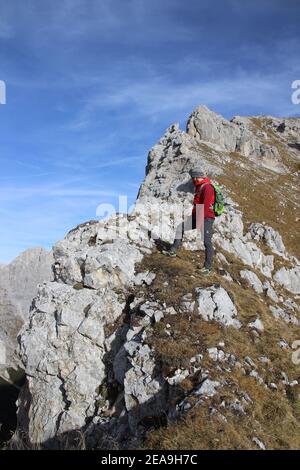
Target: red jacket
205 194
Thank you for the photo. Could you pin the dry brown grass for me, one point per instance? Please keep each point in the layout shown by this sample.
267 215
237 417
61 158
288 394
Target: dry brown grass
200 430
175 271
270 418
273 417
261 202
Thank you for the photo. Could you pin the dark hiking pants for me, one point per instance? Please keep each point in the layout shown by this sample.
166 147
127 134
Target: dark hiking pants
190 224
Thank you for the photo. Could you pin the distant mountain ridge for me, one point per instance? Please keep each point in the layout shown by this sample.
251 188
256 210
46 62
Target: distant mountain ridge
18 287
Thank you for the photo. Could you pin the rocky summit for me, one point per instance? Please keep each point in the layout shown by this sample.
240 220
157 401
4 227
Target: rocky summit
127 348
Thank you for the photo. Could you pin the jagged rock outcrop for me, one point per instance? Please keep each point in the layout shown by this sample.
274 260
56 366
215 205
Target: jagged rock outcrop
273 239
97 344
63 347
18 287
234 136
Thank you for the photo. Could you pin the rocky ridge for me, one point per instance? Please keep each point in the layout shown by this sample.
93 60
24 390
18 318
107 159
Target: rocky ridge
125 345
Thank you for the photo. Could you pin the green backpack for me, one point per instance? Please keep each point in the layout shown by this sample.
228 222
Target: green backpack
219 200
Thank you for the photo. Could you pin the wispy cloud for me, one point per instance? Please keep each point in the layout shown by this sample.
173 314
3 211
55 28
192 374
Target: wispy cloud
155 97
81 193
16 193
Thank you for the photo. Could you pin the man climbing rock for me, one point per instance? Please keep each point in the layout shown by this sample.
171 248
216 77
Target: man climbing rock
202 219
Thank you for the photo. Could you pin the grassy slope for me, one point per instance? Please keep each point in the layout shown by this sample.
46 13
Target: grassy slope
274 416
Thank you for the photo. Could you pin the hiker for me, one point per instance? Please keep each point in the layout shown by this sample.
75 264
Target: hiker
204 194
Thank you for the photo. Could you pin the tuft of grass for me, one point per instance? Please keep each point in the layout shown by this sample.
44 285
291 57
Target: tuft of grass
78 286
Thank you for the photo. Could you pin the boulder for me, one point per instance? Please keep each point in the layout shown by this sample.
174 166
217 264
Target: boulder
253 280
289 279
208 388
214 303
257 325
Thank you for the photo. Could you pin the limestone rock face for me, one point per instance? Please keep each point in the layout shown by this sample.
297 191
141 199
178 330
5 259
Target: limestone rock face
89 347
63 350
141 385
63 346
18 286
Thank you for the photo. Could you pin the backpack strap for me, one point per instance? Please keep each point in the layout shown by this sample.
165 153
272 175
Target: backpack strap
199 191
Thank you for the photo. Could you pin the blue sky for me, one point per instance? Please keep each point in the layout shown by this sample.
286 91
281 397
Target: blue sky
92 85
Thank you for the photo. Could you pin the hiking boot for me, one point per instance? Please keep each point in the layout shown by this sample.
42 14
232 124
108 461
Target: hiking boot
204 271
169 253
